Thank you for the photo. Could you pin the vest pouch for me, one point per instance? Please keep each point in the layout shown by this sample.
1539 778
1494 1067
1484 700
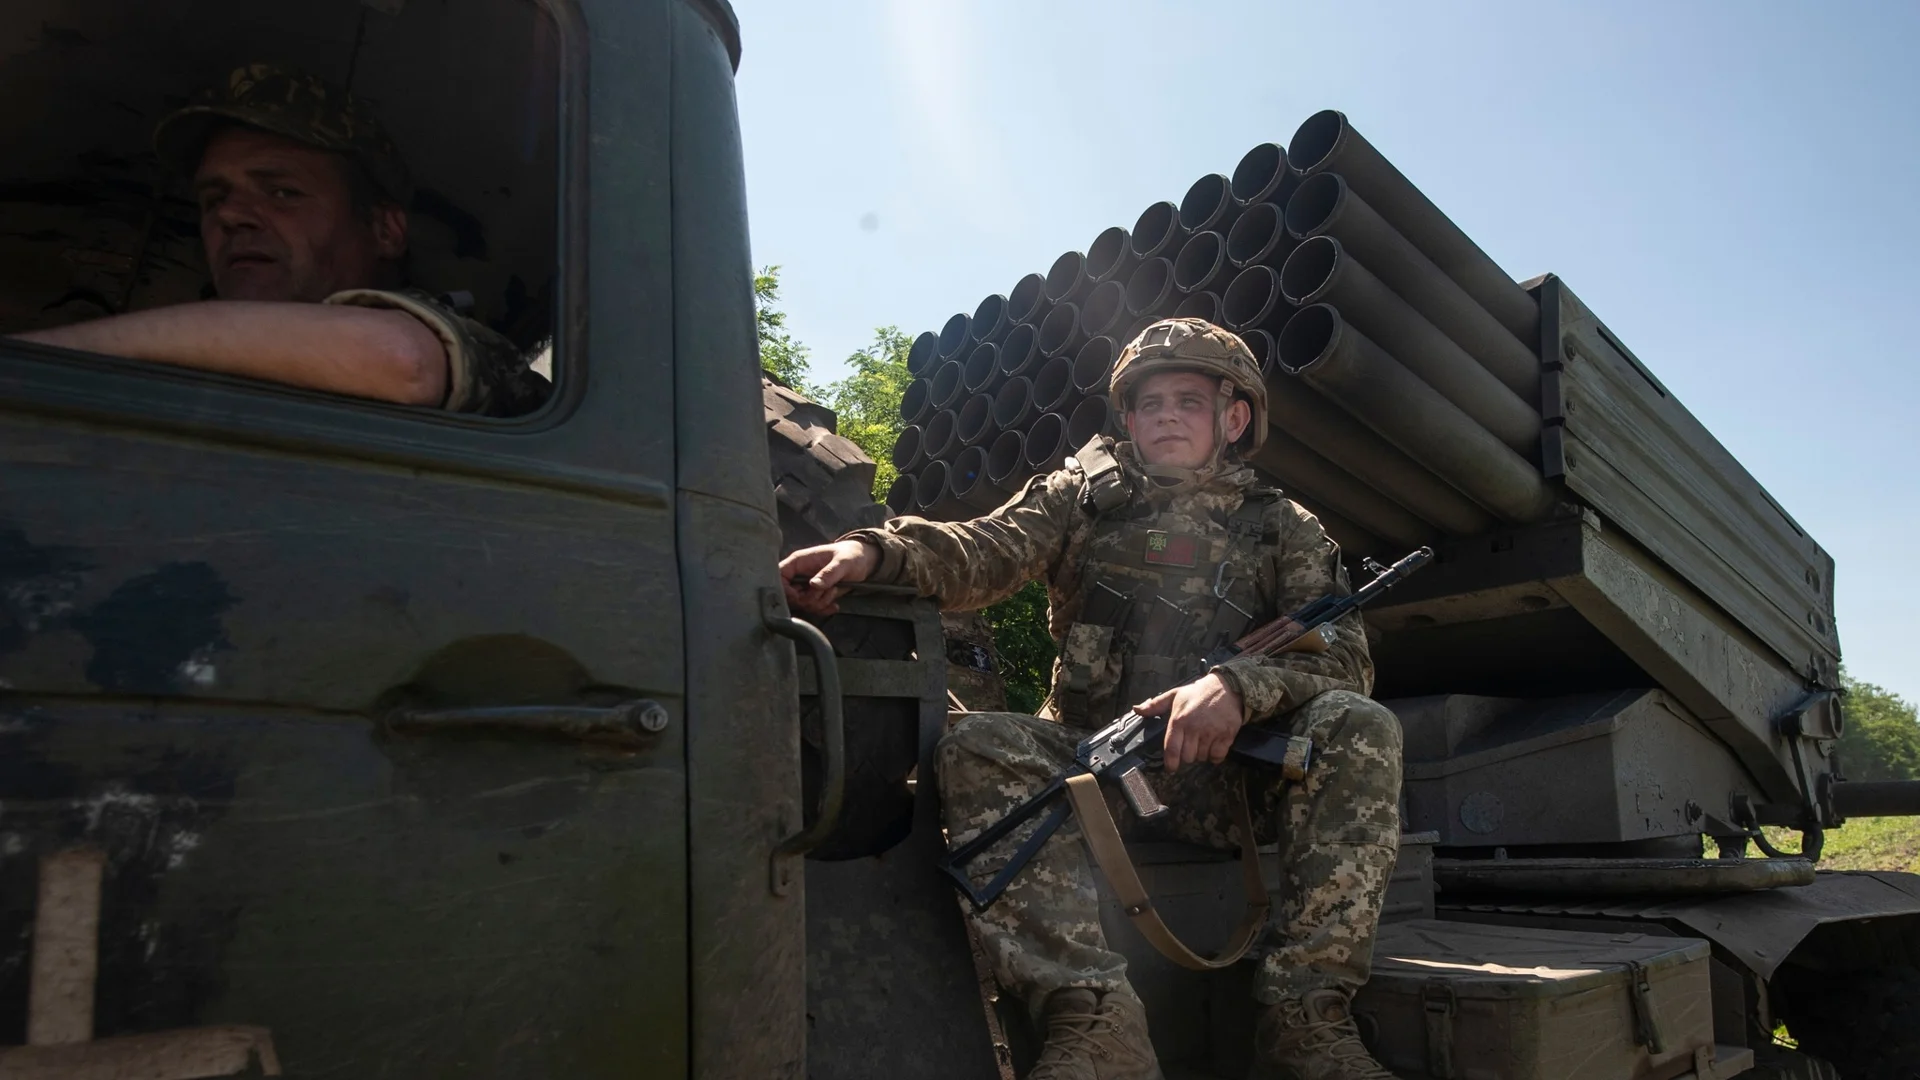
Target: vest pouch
1086 653
1146 676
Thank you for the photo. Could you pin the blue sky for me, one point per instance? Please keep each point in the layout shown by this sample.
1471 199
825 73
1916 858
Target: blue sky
1734 188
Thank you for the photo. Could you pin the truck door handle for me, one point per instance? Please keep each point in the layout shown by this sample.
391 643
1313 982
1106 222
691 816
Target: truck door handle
635 722
833 788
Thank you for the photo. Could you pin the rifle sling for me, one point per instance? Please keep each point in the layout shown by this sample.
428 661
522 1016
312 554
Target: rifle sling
1110 854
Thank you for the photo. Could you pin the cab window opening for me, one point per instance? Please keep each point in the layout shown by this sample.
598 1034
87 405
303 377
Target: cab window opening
358 199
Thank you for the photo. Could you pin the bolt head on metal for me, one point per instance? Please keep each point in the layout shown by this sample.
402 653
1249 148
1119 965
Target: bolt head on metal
653 717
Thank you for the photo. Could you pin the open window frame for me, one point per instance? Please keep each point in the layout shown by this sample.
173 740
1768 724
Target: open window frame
40 379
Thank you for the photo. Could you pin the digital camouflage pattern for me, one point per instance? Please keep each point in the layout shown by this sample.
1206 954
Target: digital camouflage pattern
486 374
1337 832
1338 836
296 104
1045 533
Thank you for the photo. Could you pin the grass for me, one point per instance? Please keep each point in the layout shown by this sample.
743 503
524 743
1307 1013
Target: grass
1888 843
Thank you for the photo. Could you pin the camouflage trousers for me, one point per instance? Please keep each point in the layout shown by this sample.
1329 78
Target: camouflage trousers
1338 836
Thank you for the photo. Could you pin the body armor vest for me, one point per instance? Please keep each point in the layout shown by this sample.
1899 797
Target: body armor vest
1157 600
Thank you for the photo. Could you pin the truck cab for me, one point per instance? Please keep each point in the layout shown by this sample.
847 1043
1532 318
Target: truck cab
343 738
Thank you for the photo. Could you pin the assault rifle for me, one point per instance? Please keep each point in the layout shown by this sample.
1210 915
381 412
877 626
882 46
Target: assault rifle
1122 749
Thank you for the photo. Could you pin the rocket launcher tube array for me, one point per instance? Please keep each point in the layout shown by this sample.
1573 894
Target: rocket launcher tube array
1337 360
1321 271
1296 407
1327 143
1304 470
1326 205
1402 379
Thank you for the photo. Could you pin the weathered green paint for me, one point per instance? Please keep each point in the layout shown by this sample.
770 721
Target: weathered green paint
218 591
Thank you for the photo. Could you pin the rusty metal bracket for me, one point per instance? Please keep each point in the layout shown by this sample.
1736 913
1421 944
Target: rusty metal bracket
833 787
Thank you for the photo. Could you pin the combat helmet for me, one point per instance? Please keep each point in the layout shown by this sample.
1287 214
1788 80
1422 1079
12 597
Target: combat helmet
1200 346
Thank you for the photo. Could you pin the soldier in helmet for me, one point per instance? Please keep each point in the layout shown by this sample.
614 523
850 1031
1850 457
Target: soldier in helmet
1155 550
303 213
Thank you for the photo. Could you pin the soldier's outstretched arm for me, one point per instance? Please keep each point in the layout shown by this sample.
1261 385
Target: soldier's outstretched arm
1306 567
967 565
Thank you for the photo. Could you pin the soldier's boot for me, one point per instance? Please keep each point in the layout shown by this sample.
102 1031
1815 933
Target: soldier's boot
1313 1037
1095 1036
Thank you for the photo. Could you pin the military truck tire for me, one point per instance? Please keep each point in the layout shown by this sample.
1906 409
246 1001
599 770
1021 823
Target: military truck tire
1866 1023
822 483
823 488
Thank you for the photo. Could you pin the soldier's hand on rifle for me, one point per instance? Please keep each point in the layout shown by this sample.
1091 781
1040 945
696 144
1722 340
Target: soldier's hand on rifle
816 578
1202 718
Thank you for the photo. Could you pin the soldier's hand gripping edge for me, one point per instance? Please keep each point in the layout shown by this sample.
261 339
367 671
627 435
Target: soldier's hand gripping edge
816 578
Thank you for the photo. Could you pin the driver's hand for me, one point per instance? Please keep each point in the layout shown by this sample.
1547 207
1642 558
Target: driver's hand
816 578
1202 718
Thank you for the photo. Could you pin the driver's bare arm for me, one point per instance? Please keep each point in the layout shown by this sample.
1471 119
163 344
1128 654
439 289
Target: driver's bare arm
364 352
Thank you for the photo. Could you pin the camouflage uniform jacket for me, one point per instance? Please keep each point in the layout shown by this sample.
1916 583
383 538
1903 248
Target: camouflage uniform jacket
1049 532
486 374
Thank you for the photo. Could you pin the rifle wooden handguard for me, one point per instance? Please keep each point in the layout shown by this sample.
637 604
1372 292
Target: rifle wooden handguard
1316 640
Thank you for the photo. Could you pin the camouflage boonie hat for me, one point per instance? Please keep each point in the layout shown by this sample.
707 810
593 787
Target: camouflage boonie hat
1194 345
286 101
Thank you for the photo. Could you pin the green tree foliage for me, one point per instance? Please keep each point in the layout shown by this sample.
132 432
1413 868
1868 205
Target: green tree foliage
867 402
1026 647
1882 738
784 357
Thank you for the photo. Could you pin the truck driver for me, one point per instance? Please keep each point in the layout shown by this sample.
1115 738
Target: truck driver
302 198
